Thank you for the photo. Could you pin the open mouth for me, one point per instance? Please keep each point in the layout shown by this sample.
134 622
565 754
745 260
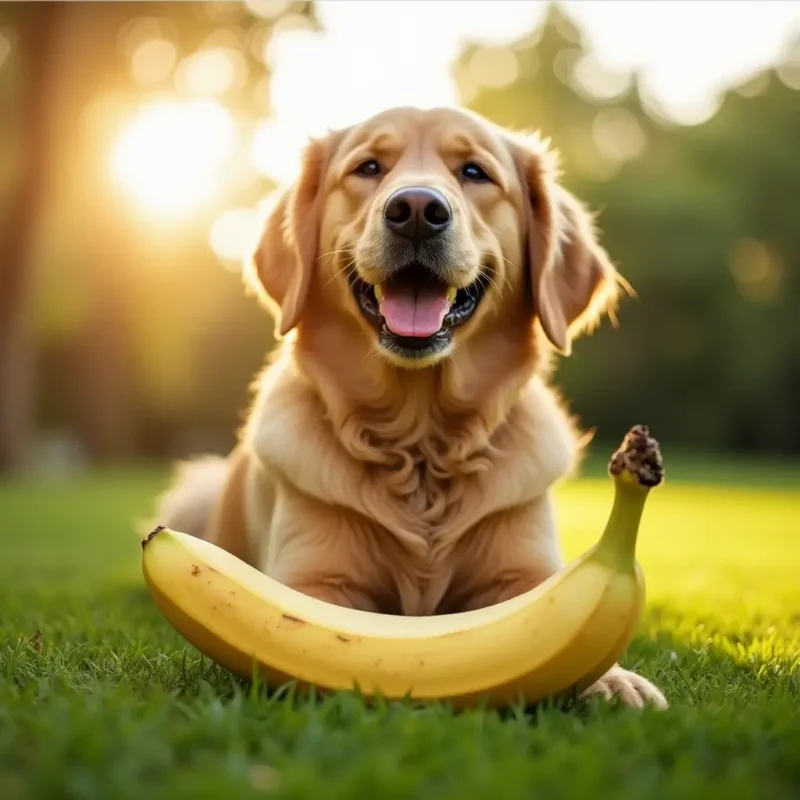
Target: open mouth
416 312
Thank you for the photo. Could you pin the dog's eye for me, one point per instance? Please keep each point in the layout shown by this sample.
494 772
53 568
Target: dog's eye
472 172
368 169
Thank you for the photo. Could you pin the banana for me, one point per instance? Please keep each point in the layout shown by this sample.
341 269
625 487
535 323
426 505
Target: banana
554 640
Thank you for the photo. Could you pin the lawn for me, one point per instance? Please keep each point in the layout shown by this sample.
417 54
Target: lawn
99 698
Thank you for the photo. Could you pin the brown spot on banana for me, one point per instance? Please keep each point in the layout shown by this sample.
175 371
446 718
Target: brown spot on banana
150 535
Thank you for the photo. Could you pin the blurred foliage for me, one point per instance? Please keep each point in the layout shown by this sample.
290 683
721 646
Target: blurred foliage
145 345
701 220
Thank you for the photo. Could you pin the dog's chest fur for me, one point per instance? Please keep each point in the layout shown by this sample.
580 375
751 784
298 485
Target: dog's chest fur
424 477
421 476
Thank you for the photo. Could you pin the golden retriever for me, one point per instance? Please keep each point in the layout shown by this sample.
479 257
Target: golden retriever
400 453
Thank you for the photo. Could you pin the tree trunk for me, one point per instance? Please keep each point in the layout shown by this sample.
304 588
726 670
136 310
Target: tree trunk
17 236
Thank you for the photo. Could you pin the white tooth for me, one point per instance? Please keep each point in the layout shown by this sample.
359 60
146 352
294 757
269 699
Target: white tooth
378 292
451 294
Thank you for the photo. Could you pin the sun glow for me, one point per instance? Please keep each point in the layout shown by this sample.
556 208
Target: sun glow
170 157
686 53
173 158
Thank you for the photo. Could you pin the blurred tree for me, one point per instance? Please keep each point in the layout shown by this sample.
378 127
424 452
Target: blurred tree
701 221
144 346
37 25
100 276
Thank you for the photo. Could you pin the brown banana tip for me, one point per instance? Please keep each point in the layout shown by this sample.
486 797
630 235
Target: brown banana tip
152 533
640 455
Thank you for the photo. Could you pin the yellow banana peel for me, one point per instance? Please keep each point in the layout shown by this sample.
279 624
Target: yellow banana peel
554 640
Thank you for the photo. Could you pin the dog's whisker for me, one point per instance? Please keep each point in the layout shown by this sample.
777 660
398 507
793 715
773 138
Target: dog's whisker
348 268
505 260
340 251
495 255
494 283
493 273
371 354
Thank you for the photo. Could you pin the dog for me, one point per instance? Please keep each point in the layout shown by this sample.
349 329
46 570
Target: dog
424 271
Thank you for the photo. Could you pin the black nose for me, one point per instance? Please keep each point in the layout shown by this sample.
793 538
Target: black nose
417 212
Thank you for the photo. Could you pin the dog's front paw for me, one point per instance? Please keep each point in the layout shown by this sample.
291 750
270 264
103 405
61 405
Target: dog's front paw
631 689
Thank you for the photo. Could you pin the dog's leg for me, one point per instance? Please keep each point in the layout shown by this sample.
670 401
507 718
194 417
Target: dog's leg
339 594
515 551
631 689
505 555
328 553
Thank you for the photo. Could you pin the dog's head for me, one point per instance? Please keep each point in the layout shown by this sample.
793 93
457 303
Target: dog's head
425 228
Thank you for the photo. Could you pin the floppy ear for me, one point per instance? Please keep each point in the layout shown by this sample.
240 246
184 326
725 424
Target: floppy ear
283 263
572 278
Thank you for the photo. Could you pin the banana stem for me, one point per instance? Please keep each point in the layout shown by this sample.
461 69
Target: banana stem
618 541
635 468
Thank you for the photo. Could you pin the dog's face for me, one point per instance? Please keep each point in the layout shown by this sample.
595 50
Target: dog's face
436 223
426 227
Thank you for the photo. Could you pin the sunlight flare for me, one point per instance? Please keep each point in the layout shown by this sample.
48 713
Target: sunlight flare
233 235
170 157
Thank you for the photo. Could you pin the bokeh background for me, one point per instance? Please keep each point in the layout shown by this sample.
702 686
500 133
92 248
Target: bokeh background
138 138
136 142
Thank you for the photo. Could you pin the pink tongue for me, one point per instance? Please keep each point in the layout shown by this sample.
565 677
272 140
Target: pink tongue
414 312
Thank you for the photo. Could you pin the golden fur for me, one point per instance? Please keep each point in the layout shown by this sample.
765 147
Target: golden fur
411 487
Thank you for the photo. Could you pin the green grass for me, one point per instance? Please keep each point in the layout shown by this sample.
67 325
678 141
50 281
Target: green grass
99 698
